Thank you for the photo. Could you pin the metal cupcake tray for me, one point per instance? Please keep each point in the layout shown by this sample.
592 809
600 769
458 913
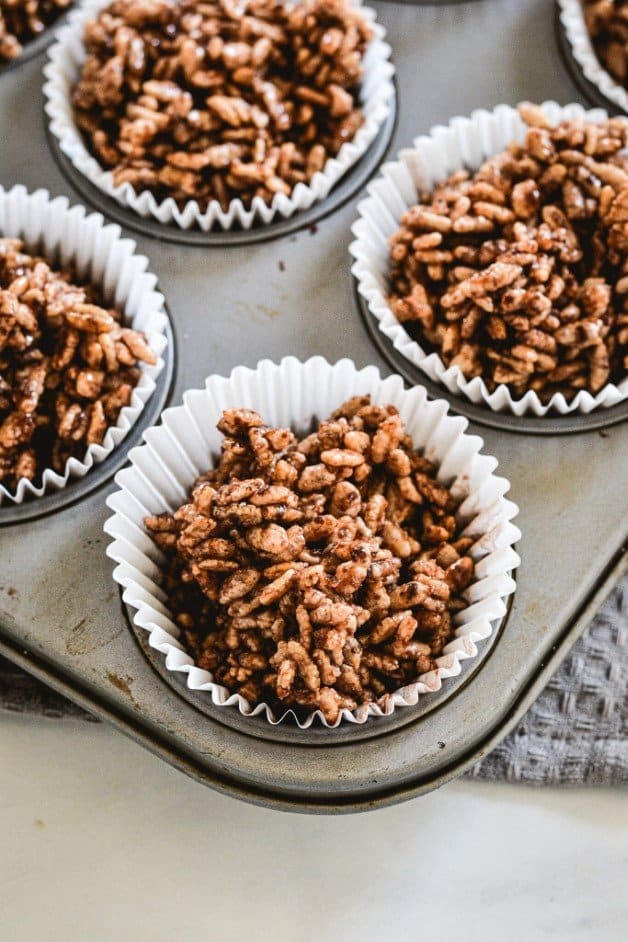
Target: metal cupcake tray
61 616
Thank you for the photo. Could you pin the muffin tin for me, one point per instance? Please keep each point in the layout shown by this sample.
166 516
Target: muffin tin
61 616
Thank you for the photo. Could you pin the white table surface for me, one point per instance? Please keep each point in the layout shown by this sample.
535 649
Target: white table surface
102 841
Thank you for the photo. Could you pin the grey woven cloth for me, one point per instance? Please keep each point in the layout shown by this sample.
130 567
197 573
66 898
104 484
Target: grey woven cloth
576 733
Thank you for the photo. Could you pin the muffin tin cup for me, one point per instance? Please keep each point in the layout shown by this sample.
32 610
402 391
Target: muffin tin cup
463 143
597 82
61 72
67 235
291 393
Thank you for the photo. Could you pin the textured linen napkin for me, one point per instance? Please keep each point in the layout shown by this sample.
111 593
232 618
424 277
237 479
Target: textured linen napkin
576 733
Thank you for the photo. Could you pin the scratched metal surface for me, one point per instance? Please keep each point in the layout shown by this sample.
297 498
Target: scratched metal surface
60 613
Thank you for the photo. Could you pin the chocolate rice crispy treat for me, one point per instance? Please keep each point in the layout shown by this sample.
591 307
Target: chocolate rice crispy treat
22 20
607 23
518 273
320 573
221 99
67 366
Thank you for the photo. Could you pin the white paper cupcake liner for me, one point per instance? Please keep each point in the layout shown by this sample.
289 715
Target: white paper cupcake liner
572 19
63 236
62 71
292 393
463 143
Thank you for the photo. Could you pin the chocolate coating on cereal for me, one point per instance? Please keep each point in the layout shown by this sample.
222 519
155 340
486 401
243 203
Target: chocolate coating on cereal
67 366
23 20
607 23
320 573
223 99
518 273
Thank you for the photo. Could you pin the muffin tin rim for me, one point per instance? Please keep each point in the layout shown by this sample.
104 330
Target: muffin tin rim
227 781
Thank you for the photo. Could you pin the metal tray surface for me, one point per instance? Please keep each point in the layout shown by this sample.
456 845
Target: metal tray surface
61 616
